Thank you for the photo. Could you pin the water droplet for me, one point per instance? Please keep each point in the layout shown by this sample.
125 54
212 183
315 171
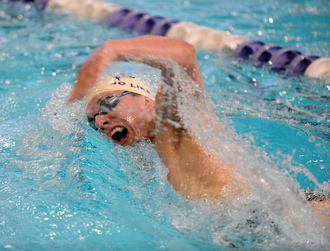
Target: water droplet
311 139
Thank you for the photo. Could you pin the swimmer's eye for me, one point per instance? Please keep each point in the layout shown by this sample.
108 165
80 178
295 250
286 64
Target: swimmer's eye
106 106
119 133
109 103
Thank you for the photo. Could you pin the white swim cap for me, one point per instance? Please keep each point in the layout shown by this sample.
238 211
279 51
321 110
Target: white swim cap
117 84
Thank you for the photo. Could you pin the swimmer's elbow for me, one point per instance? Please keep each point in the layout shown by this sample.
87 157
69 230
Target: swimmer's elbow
188 54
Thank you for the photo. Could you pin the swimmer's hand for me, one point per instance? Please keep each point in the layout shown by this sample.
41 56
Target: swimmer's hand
91 71
150 50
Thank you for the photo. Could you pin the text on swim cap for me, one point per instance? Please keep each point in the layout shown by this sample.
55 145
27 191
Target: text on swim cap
131 85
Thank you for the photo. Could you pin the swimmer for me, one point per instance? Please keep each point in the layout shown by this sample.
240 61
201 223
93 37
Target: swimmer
125 109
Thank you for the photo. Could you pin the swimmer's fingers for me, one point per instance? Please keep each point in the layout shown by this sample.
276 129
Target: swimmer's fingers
87 77
90 73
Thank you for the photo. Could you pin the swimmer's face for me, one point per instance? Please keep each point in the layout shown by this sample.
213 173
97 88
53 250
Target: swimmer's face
130 120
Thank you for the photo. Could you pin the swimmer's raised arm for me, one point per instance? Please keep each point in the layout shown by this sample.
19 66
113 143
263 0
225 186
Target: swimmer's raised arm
150 50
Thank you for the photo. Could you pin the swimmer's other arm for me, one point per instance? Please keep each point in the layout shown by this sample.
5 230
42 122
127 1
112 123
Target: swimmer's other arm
154 51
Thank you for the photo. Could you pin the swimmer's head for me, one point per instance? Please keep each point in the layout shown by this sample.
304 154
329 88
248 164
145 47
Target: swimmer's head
105 86
121 108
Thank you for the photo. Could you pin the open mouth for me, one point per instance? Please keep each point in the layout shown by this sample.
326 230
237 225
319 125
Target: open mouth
119 134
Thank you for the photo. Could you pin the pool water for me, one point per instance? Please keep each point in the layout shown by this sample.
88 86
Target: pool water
65 187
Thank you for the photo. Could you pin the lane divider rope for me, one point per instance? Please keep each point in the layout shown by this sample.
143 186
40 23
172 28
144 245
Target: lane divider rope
272 56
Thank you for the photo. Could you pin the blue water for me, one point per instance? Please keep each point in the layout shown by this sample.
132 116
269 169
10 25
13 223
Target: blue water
63 186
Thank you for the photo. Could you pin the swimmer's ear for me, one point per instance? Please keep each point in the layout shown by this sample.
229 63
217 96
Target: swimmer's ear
149 103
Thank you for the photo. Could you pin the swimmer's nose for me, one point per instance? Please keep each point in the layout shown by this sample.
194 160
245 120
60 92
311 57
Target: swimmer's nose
101 121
